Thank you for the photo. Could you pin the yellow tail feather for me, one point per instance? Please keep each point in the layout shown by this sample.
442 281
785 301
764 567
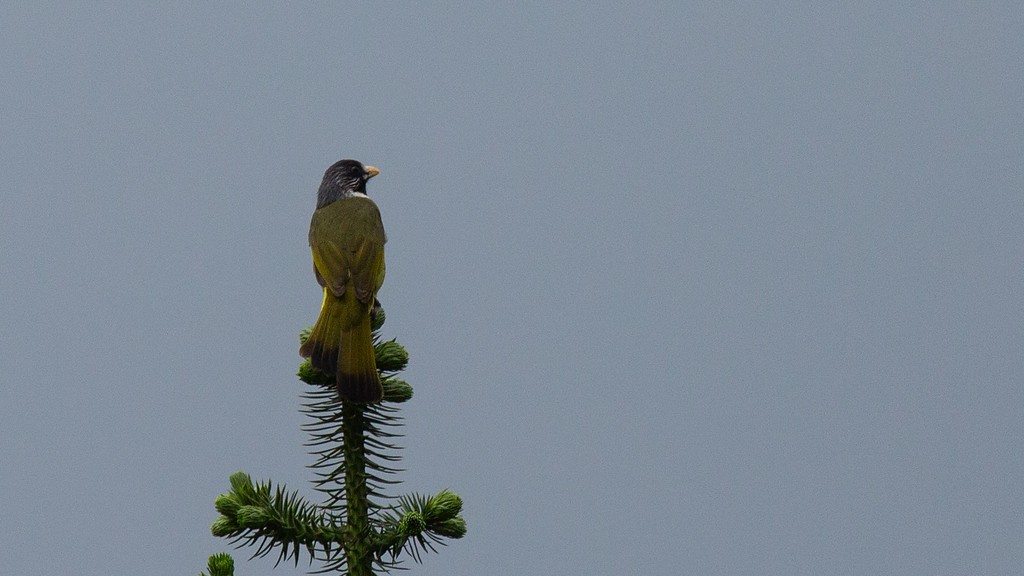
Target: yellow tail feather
358 380
341 343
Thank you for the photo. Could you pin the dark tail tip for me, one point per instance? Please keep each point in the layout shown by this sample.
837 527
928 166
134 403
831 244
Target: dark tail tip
360 388
324 358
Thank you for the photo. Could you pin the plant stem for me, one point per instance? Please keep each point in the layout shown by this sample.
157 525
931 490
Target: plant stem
358 550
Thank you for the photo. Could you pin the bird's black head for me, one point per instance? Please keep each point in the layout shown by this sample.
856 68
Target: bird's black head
344 178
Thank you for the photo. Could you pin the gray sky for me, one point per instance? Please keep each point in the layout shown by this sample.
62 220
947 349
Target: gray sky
732 289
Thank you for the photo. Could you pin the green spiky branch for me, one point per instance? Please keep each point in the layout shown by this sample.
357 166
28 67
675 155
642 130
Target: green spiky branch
358 529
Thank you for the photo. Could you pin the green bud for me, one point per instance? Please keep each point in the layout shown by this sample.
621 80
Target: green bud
412 523
444 506
452 528
377 316
227 505
252 516
311 375
304 335
223 526
396 390
241 484
391 356
221 565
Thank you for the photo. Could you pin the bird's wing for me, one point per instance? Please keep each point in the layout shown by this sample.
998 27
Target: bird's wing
347 239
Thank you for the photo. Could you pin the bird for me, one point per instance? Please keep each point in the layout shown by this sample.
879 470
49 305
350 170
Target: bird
346 237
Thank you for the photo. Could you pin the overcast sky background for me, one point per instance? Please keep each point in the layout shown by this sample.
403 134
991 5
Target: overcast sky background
730 289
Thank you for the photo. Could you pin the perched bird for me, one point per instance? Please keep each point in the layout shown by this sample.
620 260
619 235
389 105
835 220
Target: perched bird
347 239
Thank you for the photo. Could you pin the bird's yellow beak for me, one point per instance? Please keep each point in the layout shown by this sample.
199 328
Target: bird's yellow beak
371 172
